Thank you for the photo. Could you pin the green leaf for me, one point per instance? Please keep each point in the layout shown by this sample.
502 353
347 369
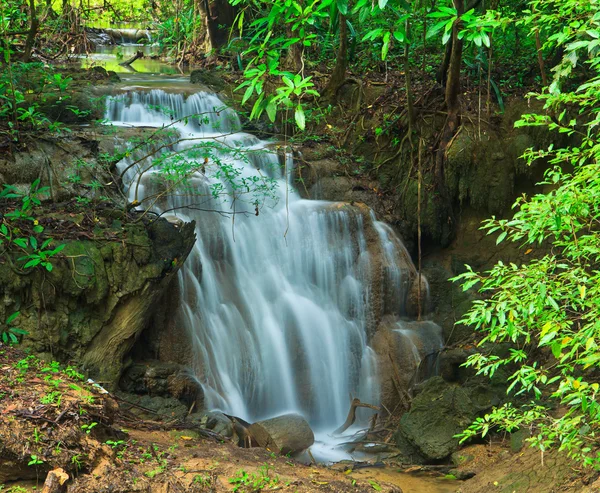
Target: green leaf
342 6
386 45
248 94
382 4
12 318
21 242
271 111
300 118
32 263
399 35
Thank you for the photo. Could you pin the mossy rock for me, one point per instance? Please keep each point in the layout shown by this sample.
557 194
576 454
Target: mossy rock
207 78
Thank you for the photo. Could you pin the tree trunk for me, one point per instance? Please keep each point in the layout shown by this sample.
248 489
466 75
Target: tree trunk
453 119
338 75
34 26
218 18
442 72
126 63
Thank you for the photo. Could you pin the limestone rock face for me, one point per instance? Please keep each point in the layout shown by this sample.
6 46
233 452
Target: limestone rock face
286 434
98 299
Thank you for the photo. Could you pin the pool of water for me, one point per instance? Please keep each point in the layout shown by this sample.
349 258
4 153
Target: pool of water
109 57
408 482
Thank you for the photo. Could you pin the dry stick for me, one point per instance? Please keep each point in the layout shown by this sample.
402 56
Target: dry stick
352 415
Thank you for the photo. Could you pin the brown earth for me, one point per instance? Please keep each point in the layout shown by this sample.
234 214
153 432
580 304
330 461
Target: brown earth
51 420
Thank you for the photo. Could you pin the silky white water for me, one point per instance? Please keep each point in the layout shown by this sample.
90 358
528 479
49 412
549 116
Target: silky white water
277 305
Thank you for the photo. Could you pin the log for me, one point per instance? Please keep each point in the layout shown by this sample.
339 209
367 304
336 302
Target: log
286 434
352 415
55 481
138 54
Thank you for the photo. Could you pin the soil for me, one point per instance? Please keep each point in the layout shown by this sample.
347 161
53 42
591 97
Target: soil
50 418
497 469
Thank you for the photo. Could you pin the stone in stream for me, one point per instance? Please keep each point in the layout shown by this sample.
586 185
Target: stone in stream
286 434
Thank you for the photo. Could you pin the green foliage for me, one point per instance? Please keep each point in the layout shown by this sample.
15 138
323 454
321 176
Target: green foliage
35 461
9 333
20 230
88 427
23 88
257 481
548 309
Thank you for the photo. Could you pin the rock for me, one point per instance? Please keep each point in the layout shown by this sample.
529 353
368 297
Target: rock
438 413
207 78
449 364
460 458
443 409
215 421
461 475
407 354
94 305
166 379
165 407
286 434
518 438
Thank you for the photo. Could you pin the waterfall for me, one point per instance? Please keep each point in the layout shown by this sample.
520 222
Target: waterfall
276 295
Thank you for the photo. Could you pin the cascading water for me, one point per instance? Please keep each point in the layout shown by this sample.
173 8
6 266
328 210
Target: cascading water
276 294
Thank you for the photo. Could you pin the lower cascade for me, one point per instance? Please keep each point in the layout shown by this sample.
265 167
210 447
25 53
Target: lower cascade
282 297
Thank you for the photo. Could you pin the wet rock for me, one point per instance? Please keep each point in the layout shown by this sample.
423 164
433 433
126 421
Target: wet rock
286 434
407 353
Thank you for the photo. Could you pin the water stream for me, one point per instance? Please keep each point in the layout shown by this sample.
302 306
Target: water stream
277 294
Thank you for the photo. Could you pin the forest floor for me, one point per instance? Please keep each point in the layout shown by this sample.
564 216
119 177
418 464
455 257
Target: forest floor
54 424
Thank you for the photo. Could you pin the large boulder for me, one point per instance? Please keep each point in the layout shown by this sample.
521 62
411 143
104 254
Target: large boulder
286 434
441 410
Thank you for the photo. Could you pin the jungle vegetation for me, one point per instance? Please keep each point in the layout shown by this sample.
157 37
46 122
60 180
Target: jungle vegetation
292 57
